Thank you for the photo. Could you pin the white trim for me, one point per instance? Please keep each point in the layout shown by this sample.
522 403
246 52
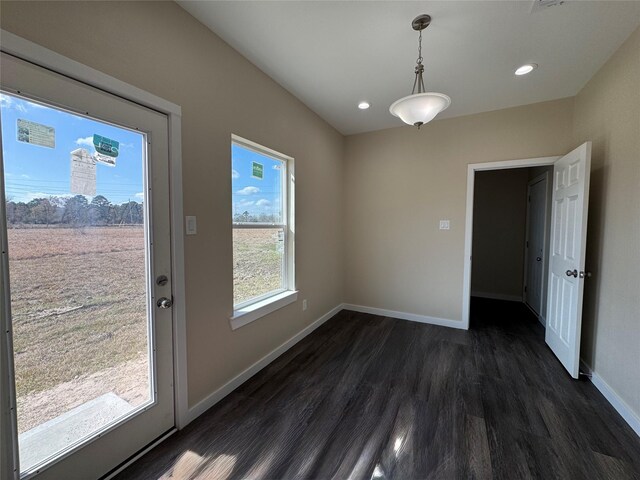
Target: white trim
180 374
261 149
208 402
497 296
413 317
34 53
248 303
256 310
625 411
468 226
130 461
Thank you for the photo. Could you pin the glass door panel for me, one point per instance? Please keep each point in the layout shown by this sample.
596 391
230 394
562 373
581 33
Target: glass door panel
78 248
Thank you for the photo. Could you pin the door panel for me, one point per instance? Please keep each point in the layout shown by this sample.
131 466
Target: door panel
566 268
535 252
86 184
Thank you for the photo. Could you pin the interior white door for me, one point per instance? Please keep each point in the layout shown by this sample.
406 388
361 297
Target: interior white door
86 220
536 216
566 266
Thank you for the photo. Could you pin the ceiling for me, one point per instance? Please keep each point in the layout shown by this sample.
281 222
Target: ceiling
333 54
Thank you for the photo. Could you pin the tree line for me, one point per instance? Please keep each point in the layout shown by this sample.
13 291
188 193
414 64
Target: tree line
74 211
246 217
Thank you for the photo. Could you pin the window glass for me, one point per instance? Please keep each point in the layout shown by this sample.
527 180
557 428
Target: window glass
260 230
257 187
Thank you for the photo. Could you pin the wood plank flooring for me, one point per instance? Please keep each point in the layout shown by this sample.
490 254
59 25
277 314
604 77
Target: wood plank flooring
368 397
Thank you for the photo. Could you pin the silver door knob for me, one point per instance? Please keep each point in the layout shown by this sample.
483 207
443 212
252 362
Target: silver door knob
573 273
164 302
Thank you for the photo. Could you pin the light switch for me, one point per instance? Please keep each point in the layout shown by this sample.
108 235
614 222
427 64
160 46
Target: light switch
444 224
191 225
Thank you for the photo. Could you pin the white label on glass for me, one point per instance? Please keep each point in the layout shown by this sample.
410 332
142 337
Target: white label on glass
83 173
105 159
36 133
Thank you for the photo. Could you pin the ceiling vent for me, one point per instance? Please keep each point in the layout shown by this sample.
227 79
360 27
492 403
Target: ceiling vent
539 5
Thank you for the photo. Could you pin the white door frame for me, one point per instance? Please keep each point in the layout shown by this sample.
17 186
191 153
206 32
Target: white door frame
36 54
544 177
468 225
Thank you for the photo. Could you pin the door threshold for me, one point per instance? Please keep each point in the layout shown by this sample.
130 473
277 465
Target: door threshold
139 454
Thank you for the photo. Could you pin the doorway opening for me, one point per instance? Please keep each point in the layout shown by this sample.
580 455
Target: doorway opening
566 245
509 264
510 236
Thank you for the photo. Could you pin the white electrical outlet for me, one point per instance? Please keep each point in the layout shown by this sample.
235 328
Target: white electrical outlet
444 225
191 225
304 304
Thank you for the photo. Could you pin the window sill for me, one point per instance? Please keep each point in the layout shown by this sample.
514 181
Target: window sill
264 307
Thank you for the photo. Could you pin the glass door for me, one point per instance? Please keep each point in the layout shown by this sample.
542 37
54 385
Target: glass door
88 254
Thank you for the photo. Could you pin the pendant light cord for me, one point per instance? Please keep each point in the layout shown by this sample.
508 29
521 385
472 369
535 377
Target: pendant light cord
419 81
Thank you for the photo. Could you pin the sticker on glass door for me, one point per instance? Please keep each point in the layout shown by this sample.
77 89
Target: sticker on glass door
78 263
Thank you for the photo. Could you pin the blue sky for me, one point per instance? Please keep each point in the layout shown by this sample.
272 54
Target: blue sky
32 171
256 196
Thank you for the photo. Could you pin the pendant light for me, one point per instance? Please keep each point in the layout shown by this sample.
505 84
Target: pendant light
420 107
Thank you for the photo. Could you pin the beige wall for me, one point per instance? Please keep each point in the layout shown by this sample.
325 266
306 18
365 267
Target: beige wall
607 112
162 49
400 182
499 230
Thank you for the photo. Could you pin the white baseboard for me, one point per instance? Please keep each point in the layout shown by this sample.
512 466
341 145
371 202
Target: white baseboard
497 296
443 322
208 402
613 398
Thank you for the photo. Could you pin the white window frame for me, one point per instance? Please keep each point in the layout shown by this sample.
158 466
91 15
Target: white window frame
255 308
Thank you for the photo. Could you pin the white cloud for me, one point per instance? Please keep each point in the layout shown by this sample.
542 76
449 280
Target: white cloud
244 203
7 102
248 191
86 141
234 173
140 195
263 202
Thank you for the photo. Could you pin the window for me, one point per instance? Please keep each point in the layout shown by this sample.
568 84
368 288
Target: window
262 196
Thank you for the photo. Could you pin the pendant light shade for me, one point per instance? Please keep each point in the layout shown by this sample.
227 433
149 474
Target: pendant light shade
420 107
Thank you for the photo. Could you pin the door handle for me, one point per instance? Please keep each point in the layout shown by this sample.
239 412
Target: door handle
572 273
164 302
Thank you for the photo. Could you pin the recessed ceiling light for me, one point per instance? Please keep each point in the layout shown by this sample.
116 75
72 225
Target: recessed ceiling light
524 69
363 105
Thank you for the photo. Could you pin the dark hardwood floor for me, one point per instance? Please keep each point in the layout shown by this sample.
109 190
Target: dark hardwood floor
368 397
